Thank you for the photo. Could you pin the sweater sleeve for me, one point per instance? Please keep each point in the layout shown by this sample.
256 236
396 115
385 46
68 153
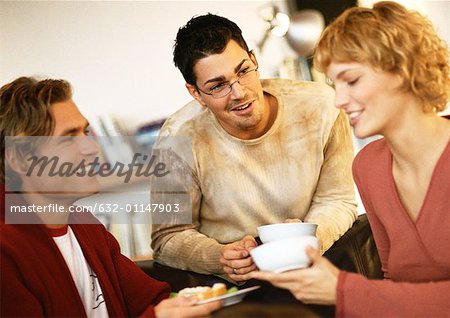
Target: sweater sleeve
183 246
358 296
141 292
176 239
333 205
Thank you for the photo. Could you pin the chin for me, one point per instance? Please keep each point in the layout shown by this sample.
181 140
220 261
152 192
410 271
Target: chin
87 188
362 133
91 187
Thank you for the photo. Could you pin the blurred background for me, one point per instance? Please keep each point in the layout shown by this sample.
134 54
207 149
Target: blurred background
118 57
118 54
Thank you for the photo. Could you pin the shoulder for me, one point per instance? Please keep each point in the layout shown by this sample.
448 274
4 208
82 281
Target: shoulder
303 96
20 240
183 118
372 151
310 104
371 160
192 124
299 89
16 237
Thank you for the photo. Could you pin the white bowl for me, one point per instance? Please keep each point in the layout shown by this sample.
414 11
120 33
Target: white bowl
284 255
279 231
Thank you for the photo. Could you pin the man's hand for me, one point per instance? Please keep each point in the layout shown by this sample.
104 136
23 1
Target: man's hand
184 307
292 221
236 260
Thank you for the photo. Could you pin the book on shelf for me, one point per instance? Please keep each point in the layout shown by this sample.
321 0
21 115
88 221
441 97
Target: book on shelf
111 136
131 231
142 237
134 239
295 68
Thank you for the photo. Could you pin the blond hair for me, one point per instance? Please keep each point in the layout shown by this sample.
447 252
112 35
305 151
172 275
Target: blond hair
396 40
25 110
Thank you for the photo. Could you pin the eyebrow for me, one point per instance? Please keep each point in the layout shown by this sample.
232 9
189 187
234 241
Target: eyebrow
221 78
342 73
73 130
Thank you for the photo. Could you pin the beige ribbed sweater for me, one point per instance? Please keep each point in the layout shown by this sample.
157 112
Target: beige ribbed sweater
301 168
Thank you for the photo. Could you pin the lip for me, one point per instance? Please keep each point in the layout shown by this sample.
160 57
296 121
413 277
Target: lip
354 116
244 111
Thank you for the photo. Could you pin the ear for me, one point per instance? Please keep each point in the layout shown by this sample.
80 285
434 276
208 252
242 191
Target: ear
252 56
14 163
192 89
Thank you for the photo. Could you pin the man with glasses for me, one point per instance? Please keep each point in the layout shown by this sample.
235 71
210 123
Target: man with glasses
263 151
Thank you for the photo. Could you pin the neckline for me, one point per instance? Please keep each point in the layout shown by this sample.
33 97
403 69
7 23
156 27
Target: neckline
58 232
393 185
257 140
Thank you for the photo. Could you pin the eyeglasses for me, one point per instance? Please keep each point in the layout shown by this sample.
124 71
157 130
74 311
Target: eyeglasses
245 77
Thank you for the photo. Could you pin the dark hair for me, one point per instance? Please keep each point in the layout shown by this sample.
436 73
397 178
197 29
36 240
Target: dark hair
25 109
203 36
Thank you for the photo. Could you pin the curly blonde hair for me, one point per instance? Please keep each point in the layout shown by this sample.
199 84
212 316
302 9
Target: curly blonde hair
396 40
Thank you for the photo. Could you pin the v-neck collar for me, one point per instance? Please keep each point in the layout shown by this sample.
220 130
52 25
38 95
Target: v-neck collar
394 189
417 224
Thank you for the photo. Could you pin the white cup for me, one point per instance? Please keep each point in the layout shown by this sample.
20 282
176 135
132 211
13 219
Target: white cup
279 231
284 255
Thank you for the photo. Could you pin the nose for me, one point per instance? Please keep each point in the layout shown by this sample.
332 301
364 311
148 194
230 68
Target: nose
237 90
341 97
88 146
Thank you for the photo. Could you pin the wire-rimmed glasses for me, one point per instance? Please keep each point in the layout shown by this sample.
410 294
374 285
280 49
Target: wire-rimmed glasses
245 77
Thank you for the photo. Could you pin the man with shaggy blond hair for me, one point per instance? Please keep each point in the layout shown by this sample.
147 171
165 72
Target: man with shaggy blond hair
61 264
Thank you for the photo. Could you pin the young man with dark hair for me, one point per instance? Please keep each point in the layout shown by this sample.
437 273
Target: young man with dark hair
57 263
263 151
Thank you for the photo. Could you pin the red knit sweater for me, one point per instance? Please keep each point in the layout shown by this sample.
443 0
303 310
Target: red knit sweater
415 255
35 280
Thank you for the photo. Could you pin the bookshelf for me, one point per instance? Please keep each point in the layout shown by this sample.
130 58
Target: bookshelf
118 197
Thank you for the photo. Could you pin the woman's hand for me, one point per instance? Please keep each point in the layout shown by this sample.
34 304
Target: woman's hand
184 307
314 285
